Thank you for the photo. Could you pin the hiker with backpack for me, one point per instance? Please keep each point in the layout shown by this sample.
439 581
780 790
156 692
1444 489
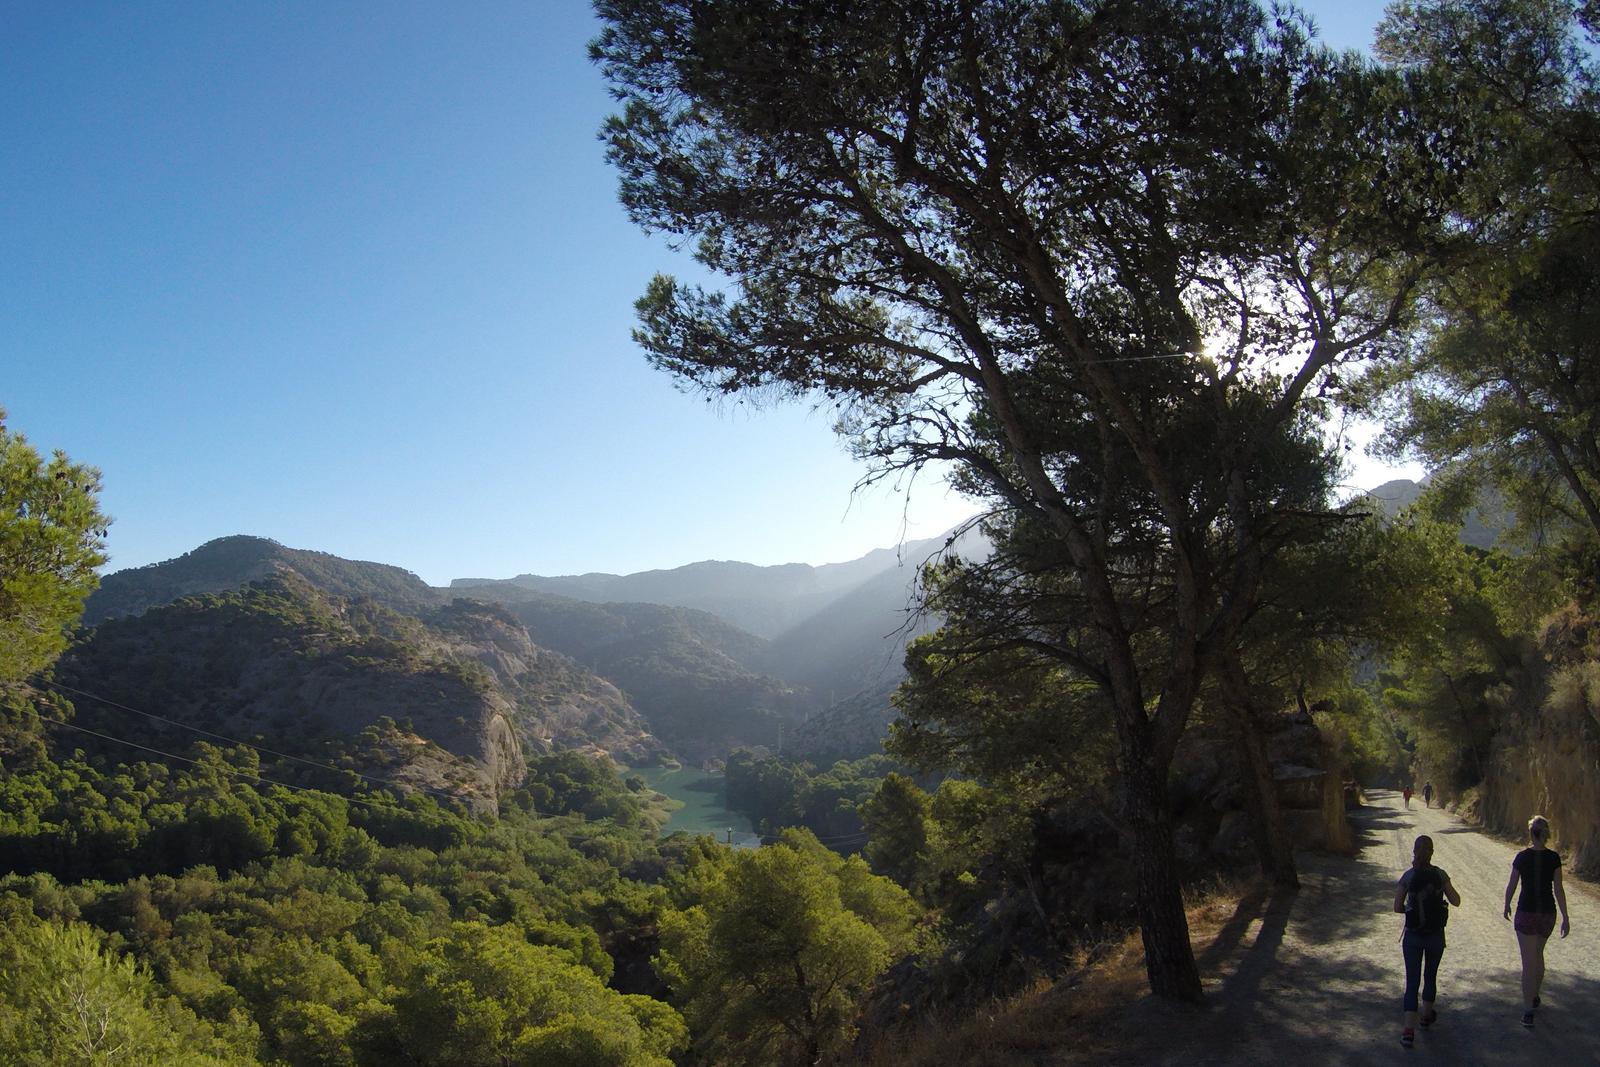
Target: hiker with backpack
1538 868
1424 896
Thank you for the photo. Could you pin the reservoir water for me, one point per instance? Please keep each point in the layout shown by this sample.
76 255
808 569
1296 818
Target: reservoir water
703 811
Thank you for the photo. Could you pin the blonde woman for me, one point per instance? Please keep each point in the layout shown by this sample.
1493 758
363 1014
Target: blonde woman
1538 868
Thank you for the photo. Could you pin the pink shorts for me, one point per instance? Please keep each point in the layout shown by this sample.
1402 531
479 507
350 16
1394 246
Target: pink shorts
1534 922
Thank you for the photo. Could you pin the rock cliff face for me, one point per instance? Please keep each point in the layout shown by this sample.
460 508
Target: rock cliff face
560 703
1546 755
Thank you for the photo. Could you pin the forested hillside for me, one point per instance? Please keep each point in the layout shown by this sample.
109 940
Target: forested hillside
700 685
453 701
229 562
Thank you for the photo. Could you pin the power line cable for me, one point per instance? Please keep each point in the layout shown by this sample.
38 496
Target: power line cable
764 838
395 783
357 799
228 767
246 744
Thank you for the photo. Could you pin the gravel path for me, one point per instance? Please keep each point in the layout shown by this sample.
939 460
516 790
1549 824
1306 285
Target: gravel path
1315 978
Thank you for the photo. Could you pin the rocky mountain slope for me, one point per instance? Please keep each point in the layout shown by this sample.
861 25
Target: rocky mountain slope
451 700
692 676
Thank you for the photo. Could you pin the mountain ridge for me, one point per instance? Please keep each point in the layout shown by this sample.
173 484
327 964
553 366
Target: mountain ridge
765 600
225 563
680 672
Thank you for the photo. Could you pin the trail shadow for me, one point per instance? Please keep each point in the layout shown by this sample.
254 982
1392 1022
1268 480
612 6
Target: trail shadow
1251 906
1351 891
1276 1004
1482 1027
1272 909
1379 819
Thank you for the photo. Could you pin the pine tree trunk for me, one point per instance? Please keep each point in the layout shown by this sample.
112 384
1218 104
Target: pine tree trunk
1274 849
1168 956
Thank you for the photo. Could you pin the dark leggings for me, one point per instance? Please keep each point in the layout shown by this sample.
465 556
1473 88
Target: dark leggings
1422 952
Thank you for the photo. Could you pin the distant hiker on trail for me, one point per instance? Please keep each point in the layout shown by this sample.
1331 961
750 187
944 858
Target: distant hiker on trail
1424 896
1539 870
1406 792
1427 794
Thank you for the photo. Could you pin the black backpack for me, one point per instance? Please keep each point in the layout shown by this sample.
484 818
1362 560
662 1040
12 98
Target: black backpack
1427 911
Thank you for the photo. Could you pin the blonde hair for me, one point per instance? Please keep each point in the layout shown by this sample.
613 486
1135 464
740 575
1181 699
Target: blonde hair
1538 829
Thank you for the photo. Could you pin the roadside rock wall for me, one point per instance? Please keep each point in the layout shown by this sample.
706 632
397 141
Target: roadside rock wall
1546 759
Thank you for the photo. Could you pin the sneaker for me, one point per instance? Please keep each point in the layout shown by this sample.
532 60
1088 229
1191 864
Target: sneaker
1408 1036
1430 1018
1527 1019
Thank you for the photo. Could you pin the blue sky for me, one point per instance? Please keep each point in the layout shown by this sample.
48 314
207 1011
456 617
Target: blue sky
353 276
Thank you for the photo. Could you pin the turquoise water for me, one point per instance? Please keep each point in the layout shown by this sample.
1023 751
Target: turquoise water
702 811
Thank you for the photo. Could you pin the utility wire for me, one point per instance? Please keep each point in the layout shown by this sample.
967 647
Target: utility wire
1136 359
246 744
228 767
764 838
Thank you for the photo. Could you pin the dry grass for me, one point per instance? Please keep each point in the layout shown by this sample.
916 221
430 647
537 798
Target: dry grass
1077 1020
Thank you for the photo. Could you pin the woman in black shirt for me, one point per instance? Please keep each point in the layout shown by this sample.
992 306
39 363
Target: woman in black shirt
1539 870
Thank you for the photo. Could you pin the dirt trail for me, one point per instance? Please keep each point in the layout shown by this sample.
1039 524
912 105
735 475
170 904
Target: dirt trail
1315 978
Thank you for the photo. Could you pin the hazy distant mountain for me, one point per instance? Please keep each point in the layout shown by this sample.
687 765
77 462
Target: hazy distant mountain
849 728
766 601
694 677
1481 527
229 562
451 700
761 600
851 654
1395 496
839 651
856 642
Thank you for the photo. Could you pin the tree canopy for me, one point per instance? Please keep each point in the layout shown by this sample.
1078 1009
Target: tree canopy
52 537
1501 384
774 949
